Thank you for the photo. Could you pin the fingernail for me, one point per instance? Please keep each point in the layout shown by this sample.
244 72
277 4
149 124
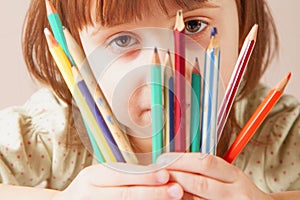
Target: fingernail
162 176
175 191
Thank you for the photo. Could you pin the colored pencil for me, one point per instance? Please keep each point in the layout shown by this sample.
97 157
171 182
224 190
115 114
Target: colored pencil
96 113
169 103
256 119
236 78
210 95
64 66
94 144
195 137
180 96
156 107
57 28
100 99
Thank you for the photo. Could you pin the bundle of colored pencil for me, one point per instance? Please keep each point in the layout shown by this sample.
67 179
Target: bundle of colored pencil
173 136
108 142
206 121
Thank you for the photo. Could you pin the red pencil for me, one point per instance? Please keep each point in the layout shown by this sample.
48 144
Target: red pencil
256 119
236 78
179 110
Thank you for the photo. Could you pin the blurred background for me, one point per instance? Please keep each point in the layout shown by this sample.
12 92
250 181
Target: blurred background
16 85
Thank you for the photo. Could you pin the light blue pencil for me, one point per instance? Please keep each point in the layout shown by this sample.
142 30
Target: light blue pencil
210 96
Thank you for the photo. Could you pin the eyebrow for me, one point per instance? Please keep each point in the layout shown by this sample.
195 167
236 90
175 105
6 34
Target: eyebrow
197 4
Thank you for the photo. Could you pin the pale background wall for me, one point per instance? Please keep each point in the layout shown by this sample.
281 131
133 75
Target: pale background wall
16 86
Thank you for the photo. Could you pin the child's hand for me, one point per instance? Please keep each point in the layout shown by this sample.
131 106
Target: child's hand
104 182
209 177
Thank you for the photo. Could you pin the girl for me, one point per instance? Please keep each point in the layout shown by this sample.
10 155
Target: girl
39 141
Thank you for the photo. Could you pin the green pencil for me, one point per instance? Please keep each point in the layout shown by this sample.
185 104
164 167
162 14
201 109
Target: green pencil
94 144
195 109
156 107
57 28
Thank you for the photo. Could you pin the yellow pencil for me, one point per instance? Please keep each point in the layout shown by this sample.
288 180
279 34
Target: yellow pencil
101 102
65 68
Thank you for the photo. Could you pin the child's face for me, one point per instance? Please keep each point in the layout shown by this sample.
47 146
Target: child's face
119 55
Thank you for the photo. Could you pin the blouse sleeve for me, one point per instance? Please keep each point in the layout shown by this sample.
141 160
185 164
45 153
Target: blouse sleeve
34 145
272 157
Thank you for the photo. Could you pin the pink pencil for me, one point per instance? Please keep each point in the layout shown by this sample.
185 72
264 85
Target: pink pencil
236 78
179 107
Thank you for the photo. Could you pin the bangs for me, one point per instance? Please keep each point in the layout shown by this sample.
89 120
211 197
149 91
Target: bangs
80 13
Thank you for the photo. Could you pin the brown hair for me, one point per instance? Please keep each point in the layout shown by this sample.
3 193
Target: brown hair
76 14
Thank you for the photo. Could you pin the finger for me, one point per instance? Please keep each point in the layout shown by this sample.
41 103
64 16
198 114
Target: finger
100 175
208 165
189 196
168 191
201 186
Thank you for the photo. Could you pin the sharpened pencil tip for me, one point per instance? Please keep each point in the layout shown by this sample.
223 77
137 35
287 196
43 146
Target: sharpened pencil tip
179 12
50 38
179 23
289 76
253 33
214 31
47 31
155 59
50 7
196 68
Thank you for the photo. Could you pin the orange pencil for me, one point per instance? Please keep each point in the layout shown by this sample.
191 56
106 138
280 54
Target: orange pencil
256 119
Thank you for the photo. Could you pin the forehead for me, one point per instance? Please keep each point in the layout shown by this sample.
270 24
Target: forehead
110 13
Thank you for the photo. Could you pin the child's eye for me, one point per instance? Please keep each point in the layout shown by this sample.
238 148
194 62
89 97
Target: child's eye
122 43
194 26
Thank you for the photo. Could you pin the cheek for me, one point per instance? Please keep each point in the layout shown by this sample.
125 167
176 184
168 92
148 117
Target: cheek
229 40
125 85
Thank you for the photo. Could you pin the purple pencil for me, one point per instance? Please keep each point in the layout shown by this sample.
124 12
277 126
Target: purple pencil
96 113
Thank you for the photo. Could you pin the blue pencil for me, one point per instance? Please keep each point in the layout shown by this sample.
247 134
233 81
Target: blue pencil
169 104
171 114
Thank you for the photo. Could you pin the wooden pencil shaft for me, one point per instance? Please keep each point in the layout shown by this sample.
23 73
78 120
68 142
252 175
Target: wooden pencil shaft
100 121
171 114
251 126
256 119
210 98
57 28
180 98
236 78
156 111
195 113
233 88
95 147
